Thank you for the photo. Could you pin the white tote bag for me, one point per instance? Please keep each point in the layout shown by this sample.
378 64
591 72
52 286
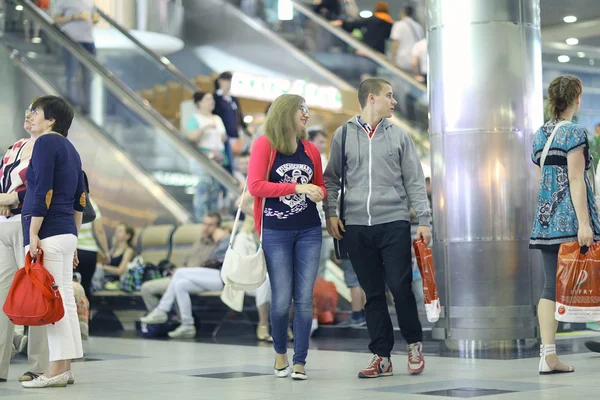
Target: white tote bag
243 272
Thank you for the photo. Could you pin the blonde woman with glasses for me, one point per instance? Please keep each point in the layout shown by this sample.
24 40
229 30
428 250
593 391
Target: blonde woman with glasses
286 178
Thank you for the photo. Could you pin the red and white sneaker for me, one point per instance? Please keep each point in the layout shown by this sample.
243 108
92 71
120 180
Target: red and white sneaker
416 362
379 366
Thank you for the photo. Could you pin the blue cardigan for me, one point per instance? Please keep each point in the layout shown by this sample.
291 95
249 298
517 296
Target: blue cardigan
55 187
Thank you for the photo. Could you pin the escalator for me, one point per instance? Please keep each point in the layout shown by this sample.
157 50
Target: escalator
285 38
115 128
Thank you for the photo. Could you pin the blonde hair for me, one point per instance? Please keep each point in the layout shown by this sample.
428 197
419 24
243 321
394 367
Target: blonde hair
280 124
563 92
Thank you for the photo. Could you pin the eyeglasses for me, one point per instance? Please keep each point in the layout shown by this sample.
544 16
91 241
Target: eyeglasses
303 109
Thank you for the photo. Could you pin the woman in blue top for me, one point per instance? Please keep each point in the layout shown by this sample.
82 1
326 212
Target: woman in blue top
566 210
52 214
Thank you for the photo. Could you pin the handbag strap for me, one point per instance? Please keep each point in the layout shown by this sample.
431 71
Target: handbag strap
593 169
264 202
549 143
239 210
47 293
344 134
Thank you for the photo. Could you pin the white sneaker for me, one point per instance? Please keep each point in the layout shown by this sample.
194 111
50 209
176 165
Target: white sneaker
155 316
43 382
183 332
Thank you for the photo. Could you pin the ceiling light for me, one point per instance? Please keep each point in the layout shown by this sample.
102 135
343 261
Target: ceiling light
569 19
19 8
572 41
248 119
592 62
564 59
581 54
366 14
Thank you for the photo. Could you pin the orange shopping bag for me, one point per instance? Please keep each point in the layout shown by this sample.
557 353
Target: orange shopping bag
577 284
325 299
424 257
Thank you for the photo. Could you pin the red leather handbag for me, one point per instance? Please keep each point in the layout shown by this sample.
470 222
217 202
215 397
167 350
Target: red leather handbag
33 298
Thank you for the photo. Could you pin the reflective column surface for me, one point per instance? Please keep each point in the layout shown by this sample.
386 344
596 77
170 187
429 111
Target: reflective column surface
485 93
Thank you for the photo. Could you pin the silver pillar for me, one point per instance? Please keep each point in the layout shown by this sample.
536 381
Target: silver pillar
486 102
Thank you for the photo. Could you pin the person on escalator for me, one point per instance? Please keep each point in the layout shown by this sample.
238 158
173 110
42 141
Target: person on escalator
209 134
376 31
328 9
77 19
228 108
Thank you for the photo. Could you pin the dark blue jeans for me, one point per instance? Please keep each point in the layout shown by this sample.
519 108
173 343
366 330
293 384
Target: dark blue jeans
78 92
292 261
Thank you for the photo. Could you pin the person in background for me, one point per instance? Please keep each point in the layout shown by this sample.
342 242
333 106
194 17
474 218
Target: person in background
42 5
198 256
77 19
405 34
376 231
349 9
319 138
121 254
357 298
83 309
207 131
228 108
328 9
595 145
52 215
91 241
419 60
377 27
566 210
13 186
285 175
187 281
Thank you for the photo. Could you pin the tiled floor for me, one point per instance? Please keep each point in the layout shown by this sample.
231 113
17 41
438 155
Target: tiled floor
156 369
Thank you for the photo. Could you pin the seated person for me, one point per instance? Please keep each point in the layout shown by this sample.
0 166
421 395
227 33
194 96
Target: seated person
83 309
199 255
121 254
187 281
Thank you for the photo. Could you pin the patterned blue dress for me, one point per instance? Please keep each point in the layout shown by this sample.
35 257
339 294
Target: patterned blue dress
555 220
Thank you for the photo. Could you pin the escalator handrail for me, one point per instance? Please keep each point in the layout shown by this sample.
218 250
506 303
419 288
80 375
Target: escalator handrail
299 55
344 36
162 61
131 98
155 189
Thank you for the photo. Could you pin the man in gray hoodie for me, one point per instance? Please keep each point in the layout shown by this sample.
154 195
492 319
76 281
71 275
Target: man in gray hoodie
383 178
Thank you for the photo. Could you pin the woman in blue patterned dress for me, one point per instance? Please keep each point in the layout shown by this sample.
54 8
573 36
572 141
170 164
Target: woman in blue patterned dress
566 210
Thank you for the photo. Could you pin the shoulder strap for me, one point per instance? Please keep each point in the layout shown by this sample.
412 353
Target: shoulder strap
239 210
344 134
549 143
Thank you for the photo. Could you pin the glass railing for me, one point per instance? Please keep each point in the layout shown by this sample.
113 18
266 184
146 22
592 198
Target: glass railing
124 191
342 54
131 122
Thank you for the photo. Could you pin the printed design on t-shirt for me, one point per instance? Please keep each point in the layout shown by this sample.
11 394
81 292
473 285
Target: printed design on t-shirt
301 174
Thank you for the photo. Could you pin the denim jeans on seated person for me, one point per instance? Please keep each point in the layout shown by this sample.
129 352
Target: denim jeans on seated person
292 261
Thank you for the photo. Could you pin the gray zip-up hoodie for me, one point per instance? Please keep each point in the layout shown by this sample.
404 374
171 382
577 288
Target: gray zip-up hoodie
383 176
